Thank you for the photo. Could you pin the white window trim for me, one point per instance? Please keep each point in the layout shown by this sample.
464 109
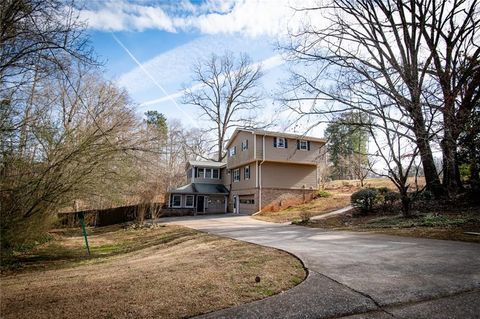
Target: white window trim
193 200
278 142
244 174
306 145
203 170
173 201
210 171
236 173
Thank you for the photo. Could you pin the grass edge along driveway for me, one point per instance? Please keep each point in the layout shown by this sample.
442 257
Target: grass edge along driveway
191 274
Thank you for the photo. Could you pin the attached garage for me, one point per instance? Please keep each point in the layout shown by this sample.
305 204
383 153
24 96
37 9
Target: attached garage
216 204
247 204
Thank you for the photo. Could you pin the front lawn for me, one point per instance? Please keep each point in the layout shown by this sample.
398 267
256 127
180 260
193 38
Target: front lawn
156 272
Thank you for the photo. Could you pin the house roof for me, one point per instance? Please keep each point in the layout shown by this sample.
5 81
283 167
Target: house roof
201 188
211 164
276 134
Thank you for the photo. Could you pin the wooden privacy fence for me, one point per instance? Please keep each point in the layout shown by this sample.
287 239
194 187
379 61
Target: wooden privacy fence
111 216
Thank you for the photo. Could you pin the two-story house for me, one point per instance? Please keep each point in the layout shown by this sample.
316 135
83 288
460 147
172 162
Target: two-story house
264 169
271 168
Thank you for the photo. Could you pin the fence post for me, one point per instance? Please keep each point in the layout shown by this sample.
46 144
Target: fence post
84 230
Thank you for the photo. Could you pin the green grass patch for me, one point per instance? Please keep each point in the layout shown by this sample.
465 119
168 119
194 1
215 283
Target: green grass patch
106 249
296 280
66 247
324 194
265 291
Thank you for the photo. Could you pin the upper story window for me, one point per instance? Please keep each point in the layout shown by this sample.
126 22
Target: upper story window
236 175
280 142
246 172
208 173
303 145
232 151
244 145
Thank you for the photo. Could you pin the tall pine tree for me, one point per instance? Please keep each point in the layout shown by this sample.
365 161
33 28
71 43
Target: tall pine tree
347 142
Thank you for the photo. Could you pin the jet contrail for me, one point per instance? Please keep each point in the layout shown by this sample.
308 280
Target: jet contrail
267 64
153 80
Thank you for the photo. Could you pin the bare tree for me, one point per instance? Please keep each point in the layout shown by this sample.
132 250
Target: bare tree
396 152
371 46
454 45
360 166
228 95
32 32
82 145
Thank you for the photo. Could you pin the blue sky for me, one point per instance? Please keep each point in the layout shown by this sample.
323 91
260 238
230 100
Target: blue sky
149 46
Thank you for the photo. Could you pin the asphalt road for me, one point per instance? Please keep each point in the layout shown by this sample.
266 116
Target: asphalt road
362 275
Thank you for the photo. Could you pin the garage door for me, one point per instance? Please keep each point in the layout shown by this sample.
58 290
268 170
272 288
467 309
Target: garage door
247 204
216 204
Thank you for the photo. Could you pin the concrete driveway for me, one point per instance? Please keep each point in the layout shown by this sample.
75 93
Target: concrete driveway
360 274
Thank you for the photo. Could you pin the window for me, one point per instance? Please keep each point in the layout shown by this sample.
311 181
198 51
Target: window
247 201
208 173
303 145
201 173
176 200
236 175
244 145
189 201
215 173
233 151
280 142
246 172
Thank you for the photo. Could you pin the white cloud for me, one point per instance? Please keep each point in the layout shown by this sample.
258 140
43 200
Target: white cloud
249 17
267 64
120 16
173 68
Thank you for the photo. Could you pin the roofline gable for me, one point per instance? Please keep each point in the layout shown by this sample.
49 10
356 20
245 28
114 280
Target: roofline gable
274 134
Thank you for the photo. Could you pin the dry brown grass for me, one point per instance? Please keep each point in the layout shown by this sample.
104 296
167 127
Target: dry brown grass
350 186
443 223
180 273
341 191
318 206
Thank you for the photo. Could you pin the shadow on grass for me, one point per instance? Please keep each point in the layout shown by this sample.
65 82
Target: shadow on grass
68 247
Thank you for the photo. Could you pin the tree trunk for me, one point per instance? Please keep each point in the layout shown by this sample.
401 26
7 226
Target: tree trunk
449 148
405 204
431 176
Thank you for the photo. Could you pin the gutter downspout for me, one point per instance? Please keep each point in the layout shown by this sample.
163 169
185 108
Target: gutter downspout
255 157
260 176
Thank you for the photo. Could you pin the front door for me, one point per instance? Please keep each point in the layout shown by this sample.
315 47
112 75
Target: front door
200 204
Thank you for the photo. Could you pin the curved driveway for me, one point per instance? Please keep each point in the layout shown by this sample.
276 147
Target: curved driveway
360 274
